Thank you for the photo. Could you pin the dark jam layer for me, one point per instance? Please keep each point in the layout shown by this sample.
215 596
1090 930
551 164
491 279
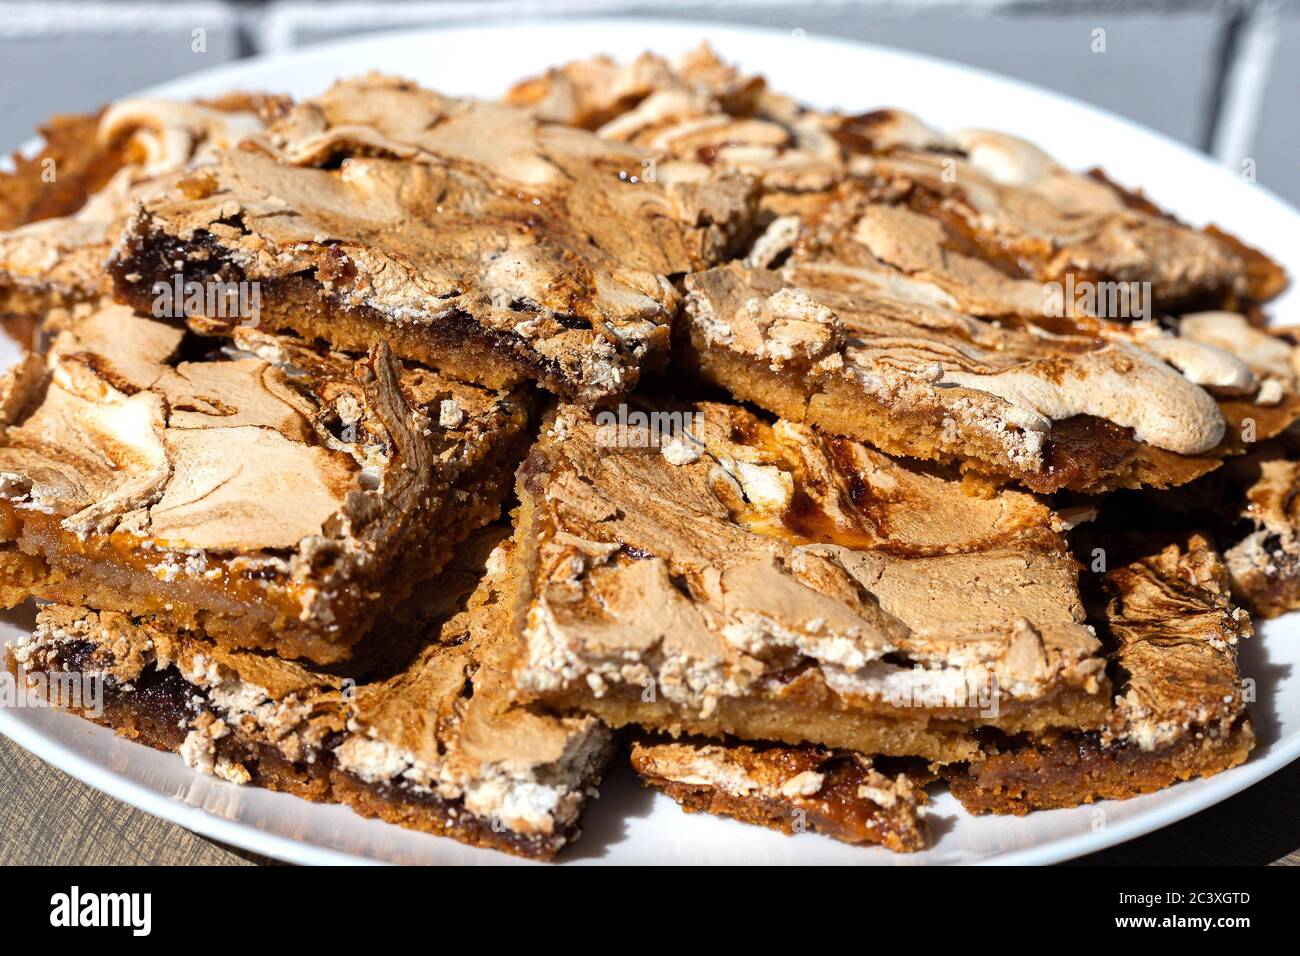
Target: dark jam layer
160 704
1083 449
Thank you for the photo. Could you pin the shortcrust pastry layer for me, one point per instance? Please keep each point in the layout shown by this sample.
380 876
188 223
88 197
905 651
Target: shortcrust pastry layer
790 789
771 583
1181 707
267 493
439 746
470 236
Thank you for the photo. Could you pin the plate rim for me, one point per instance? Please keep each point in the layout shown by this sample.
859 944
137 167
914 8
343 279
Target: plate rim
237 833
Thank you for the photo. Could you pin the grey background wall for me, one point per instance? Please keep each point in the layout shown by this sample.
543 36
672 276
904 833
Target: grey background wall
1221 76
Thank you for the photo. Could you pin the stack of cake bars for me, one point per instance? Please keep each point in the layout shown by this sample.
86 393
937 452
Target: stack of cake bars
424 455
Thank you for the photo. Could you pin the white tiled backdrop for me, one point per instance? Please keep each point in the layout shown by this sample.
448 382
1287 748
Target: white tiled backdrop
1221 75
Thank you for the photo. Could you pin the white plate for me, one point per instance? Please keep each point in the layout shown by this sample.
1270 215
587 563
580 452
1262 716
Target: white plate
629 824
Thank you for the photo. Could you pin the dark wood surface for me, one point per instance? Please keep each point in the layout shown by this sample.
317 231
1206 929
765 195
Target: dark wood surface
47 817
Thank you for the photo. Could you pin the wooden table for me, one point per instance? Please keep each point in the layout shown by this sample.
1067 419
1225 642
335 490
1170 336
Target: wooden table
47 817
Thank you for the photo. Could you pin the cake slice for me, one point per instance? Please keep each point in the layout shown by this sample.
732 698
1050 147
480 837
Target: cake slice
1000 200
269 493
439 746
1181 707
81 164
691 568
790 789
1252 507
1091 406
471 237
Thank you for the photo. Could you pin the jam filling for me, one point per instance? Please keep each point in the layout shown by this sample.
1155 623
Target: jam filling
1082 450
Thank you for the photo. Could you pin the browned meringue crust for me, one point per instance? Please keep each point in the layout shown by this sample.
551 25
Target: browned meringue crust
777 584
699 118
440 746
591 93
85 156
998 197
269 494
791 789
472 237
1092 407
1180 705
55 237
